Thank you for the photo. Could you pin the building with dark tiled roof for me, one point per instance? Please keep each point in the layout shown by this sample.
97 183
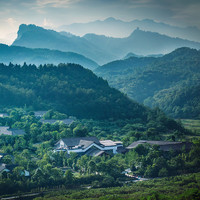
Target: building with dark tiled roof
87 145
96 152
163 145
5 130
40 114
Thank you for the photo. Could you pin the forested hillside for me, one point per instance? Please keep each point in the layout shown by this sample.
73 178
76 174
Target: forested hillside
170 82
19 55
69 88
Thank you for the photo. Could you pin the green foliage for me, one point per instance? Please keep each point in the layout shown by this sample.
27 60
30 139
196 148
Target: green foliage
7 159
69 179
173 188
67 88
80 131
51 114
170 82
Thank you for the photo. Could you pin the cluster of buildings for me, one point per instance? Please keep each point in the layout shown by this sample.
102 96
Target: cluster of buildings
91 146
5 130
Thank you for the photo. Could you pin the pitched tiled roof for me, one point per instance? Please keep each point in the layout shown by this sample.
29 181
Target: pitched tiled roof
39 113
95 152
16 132
108 143
10 131
5 130
164 145
82 142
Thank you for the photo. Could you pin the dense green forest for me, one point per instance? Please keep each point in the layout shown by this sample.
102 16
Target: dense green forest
68 88
170 82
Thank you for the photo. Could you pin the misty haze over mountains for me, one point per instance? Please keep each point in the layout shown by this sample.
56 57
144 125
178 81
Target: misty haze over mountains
100 48
118 28
19 55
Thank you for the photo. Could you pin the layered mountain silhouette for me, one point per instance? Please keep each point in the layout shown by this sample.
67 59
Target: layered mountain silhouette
170 82
141 43
100 48
19 55
32 36
118 28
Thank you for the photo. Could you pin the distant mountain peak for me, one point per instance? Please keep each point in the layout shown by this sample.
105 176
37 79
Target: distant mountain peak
27 27
110 19
137 31
23 28
31 27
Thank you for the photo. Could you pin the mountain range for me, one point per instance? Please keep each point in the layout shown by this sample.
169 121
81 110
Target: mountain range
118 28
170 82
19 55
100 48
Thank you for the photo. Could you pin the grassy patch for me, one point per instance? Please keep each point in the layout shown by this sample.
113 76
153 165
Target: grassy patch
192 124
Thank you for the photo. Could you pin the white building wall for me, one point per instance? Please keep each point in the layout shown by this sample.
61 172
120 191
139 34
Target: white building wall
113 148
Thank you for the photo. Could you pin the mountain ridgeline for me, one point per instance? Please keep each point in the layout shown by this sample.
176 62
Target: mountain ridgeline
170 82
19 55
100 48
32 36
111 27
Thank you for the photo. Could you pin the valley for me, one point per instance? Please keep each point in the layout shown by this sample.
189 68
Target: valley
104 107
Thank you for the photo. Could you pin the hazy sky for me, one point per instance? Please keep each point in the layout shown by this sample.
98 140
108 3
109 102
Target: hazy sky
54 13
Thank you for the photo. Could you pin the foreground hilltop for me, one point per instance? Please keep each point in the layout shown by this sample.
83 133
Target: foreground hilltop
69 88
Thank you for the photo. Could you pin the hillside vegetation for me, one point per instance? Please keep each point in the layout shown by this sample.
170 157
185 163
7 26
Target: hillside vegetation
69 88
174 188
170 82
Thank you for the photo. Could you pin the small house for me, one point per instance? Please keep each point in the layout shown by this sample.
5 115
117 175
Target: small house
90 146
6 130
39 114
163 145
